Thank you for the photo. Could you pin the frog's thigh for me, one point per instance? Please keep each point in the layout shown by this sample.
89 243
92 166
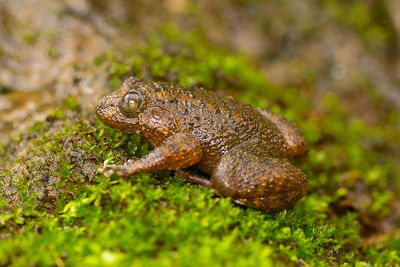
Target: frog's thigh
289 131
178 151
270 184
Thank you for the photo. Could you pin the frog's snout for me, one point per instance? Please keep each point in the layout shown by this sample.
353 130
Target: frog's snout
101 108
106 109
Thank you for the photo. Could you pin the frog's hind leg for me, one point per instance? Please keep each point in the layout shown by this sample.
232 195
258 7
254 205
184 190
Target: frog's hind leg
256 180
290 132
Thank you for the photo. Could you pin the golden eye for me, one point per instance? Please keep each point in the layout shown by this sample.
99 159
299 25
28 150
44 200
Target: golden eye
131 103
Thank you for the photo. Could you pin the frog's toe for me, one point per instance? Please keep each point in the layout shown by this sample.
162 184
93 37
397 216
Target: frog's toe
130 161
118 170
108 173
269 203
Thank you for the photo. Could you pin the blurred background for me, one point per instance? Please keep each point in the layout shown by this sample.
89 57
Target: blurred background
349 48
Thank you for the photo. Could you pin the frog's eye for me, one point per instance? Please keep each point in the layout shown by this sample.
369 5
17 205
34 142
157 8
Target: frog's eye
131 103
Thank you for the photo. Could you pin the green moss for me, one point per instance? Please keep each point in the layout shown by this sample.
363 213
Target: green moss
71 102
30 38
369 19
66 214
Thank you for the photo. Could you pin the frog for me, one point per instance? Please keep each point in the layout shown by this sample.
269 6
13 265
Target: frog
245 151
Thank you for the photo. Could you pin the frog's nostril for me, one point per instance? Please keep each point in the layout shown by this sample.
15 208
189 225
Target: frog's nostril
101 108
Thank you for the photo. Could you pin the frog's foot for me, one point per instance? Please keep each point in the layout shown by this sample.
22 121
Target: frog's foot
193 179
264 203
120 170
179 151
258 181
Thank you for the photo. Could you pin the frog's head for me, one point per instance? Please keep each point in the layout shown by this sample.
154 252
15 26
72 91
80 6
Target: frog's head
119 109
133 108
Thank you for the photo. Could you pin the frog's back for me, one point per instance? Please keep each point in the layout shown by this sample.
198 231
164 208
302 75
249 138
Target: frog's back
222 123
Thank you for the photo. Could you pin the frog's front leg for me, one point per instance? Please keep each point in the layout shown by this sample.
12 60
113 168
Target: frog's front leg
251 178
178 151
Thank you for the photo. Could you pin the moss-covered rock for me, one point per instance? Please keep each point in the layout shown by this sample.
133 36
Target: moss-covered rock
57 210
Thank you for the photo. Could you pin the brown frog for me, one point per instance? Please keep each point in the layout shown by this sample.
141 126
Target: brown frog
245 150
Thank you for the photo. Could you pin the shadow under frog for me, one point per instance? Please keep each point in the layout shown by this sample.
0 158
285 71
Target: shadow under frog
245 150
